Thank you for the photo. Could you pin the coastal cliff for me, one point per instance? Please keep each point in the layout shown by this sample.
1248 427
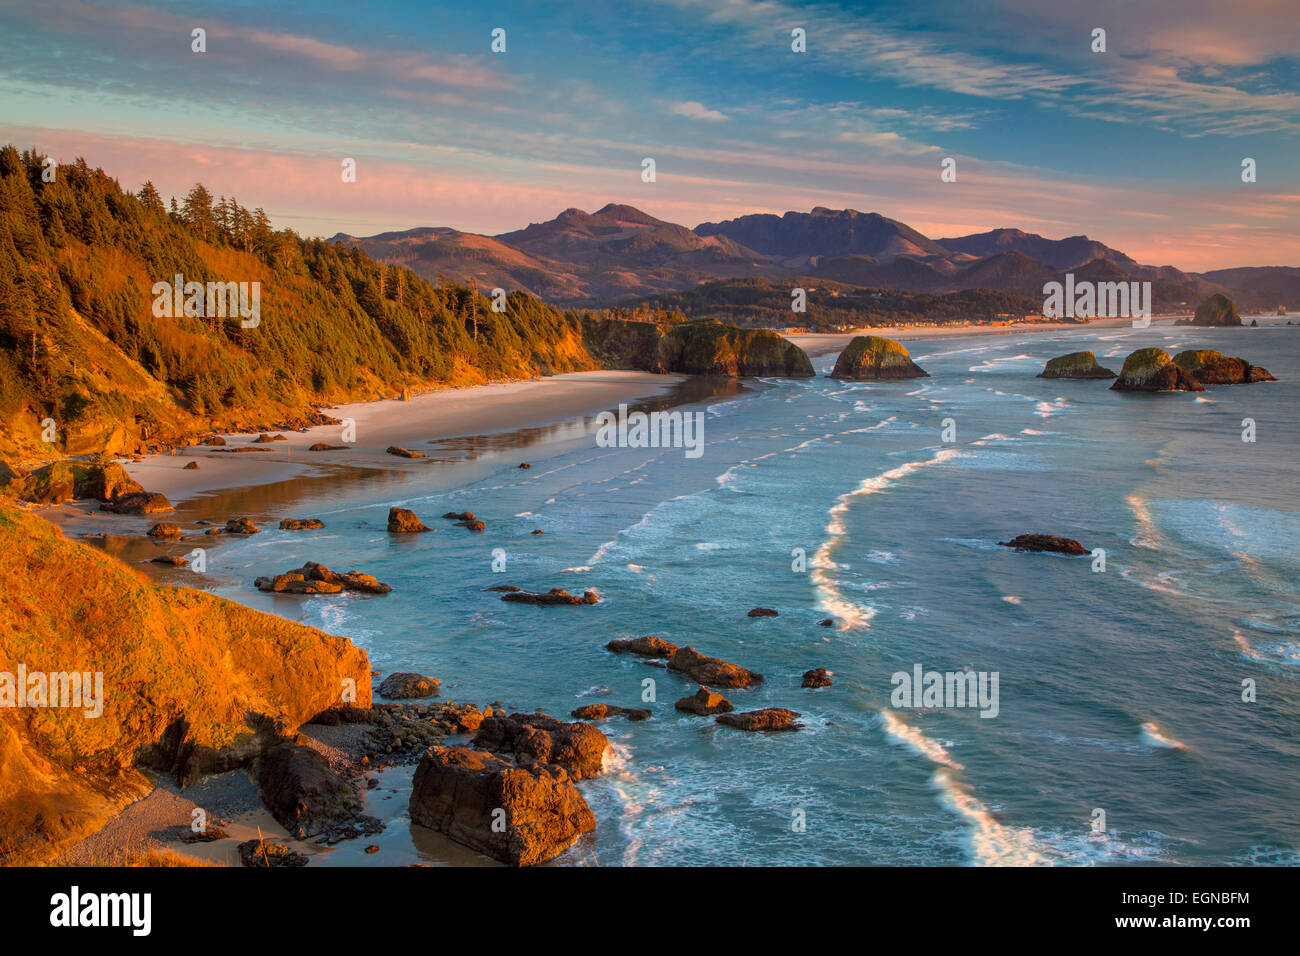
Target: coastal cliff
191 684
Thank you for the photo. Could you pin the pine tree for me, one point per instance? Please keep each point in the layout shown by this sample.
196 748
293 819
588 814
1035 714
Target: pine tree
148 195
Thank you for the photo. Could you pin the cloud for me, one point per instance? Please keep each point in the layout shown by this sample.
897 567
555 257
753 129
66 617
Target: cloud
693 110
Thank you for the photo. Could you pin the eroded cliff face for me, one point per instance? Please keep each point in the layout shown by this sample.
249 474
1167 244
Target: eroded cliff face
168 678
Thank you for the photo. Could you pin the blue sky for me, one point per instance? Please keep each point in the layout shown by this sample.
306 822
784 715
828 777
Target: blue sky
1140 146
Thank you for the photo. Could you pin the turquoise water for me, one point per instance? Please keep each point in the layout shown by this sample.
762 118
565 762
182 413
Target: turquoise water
1119 690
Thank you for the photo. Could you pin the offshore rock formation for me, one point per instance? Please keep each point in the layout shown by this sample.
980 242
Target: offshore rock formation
403 521
535 739
313 578
1214 368
1152 370
1218 309
703 347
711 670
872 358
705 703
769 718
1045 542
1075 365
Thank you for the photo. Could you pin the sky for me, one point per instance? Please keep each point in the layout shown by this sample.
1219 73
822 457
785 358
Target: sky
1140 146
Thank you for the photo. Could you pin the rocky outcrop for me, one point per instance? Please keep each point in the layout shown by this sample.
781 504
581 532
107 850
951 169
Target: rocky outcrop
1217 310
323 446
520 816
301 524
302 792
67 480
139 503
473 524
1045 542
649 646
762 612
1214 368
769 718
711 670
404 521
165 530
553 596
601 711
872 358
817 677
1075 365
403 452
459 516
534 739
313 578
265 439
1152 370
705 703
702 347
192 684
213 441
191 466
242 526
404 685
267 853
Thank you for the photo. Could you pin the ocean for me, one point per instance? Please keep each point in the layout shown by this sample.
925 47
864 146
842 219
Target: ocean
1121 734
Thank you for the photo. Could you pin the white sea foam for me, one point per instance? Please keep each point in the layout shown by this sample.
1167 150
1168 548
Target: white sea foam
1153 735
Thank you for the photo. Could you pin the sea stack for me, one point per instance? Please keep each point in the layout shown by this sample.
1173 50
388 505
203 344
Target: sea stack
1214 368
872 358
1152 370
1218 309
1075 365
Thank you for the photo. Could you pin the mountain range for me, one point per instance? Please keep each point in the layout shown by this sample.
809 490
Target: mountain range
620 254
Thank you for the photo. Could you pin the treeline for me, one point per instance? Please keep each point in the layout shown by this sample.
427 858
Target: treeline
766 303
79 342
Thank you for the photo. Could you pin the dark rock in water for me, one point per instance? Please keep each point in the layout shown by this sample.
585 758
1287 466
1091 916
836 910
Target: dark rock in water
817 677
769 718
872 358
164 529
175 561
322 446
402 452
473 525
601 711
462 793
138 503
705 703
264 439
524 464
1214 368
192 466
313 578
504 587
1045 542
460 515
1152 370
762 612
538 531
649 646
1218 309
267 853
553 596
535 739
403 520
404 685
241 526
1075 365
711 670
827 622
301 524
301 790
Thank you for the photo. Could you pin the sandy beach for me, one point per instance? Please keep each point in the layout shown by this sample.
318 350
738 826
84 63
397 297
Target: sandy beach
445 413
822 343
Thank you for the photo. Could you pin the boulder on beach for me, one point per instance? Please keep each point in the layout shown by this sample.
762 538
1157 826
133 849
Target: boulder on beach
648 646
711 670
268 853
553 596
817 677
313 578
535 739
164 529
705 703
264 439
1217 310
191 466
322 446
871 358
243 526
762 612
213 440
403 520
405 685
138 503
769 718
171 560
1075 365
301 524
1152 370
601 711
402 452
1045 542
1214 368
462 793
301 790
